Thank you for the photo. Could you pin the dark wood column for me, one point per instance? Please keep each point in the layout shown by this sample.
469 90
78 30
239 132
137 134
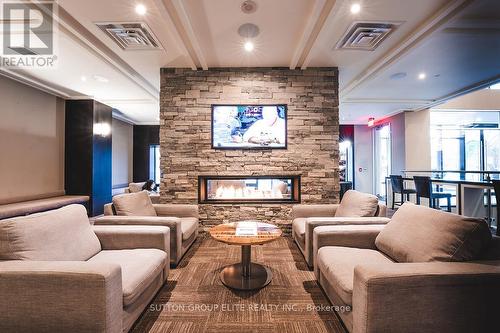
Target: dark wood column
144 136
88 152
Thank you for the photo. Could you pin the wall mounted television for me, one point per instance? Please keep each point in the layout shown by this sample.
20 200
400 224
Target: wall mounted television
249 126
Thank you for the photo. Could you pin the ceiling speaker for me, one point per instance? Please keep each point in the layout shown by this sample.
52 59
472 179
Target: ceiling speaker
248 30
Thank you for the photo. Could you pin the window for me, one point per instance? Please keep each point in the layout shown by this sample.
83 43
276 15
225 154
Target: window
496 86
383 150
346 161
492 150
154 163
463 141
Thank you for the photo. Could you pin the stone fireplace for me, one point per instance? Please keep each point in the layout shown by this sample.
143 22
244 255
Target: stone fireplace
187 155
248 189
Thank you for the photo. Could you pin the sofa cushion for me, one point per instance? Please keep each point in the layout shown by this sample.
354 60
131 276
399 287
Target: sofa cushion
188 226
61 234
140 267
135 187
356 203
134 204
422 234
337 264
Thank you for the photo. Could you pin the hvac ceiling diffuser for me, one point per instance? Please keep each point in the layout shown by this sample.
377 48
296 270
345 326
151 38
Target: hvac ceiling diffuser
365 36
131 36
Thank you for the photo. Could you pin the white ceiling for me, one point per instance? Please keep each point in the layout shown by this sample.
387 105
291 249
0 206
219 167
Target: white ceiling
459 41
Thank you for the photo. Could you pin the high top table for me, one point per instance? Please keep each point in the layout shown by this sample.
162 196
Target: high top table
245 275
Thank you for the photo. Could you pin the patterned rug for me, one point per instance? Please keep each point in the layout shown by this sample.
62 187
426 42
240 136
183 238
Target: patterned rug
194 299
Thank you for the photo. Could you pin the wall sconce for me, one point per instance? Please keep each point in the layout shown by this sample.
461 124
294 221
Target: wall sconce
102 129
371 122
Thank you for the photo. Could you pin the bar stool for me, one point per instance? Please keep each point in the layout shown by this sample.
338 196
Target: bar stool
397 185
423 186
496 187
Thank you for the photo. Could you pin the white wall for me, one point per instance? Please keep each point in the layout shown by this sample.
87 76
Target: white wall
122 152
418 140
363 158
364 150
398 138
31 141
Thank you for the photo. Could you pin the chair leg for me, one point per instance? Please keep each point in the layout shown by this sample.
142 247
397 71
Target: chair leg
407 196
418 200
449 204
393 199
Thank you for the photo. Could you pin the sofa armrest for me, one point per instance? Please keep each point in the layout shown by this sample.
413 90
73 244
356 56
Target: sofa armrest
327 210
176 210
173 223
426 297
133 237
312 223
60 296
359 236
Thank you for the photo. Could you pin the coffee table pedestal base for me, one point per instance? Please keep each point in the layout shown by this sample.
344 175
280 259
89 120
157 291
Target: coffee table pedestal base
246 275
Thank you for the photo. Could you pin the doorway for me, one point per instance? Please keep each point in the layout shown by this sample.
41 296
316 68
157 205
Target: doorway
382 158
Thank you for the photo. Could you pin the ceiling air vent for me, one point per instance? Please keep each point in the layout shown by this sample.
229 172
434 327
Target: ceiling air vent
365 36
131 36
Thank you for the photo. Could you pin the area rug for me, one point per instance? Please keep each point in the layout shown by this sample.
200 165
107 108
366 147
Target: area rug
194 299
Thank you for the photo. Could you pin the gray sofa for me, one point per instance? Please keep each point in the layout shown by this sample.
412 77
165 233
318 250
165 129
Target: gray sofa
26 205
425 271
60 274
137 209
356 208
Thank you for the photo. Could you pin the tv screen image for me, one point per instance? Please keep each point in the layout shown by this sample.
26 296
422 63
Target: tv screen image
248 126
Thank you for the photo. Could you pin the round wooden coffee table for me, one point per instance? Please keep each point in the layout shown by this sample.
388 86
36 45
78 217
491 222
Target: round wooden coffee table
245 275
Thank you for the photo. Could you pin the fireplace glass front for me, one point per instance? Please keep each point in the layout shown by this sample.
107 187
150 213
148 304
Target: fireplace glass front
234 189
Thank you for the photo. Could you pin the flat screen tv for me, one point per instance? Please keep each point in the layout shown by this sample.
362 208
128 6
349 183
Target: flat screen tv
249 126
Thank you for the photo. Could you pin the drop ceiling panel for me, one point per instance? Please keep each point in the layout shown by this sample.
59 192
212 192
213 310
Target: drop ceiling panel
358 113
411 14
75 62
148 62
216 24
451 62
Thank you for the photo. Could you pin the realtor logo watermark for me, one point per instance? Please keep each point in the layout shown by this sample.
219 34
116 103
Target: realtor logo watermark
28 33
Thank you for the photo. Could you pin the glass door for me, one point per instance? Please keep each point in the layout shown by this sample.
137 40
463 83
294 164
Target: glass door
382 158
154 163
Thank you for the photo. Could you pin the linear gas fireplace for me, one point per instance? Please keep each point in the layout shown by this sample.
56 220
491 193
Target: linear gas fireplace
248 189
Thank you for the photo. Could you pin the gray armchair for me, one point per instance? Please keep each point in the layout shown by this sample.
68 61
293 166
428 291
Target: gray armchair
356 208
423 272
60 274
137 209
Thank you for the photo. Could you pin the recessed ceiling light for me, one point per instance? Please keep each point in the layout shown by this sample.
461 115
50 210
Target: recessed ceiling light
248 46
422 76
101 79
355 8
83 78
140 9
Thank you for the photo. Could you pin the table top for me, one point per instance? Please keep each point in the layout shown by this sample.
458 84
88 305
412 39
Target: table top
454 182
226 233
